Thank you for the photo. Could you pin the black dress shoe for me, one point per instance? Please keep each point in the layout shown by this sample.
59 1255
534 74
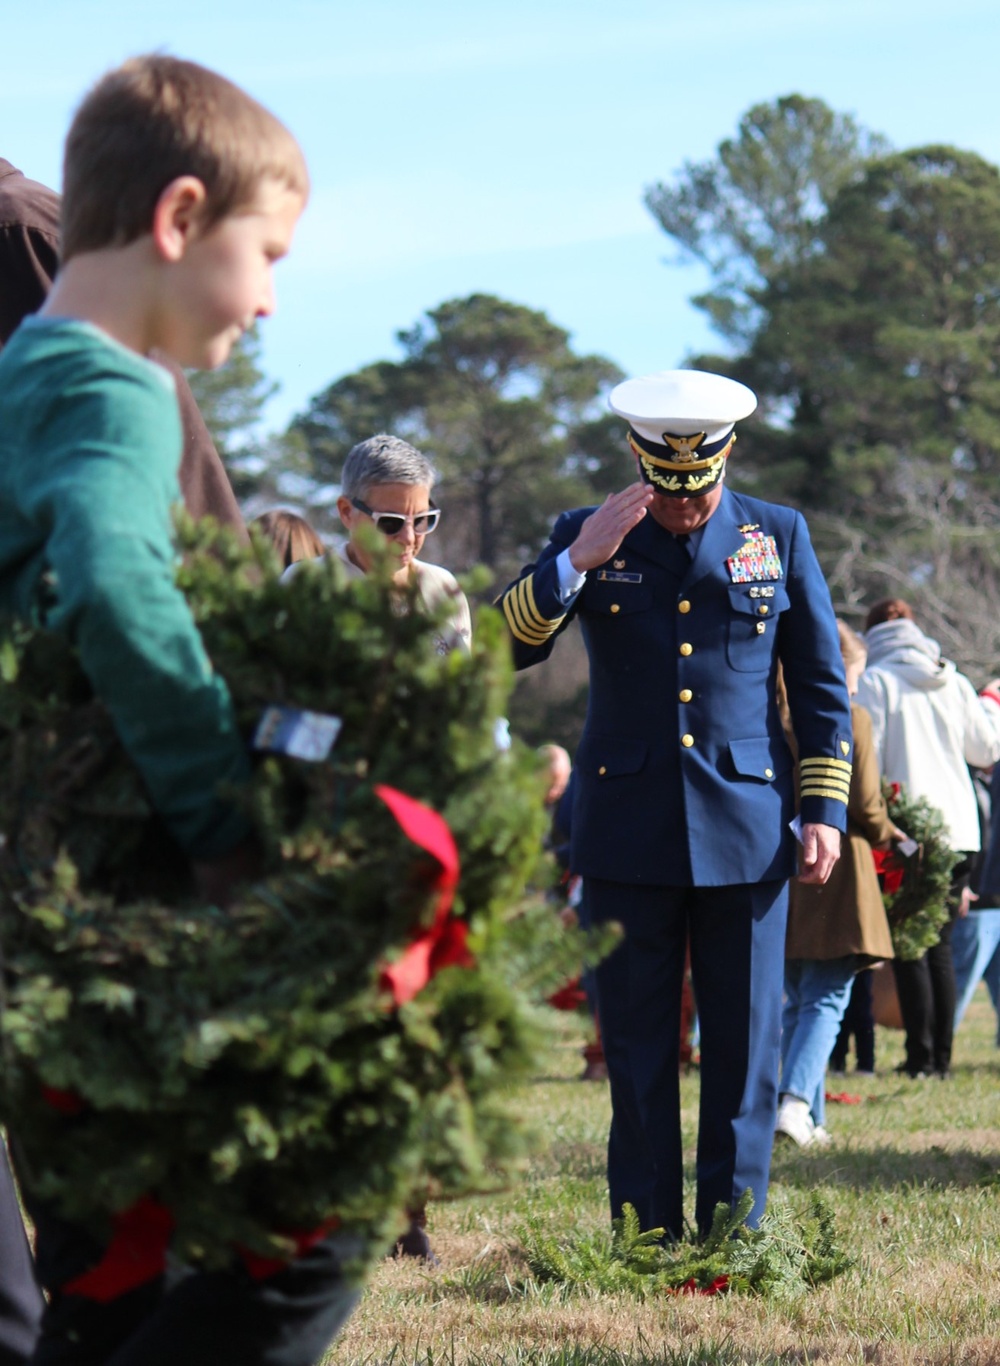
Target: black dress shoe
415 1243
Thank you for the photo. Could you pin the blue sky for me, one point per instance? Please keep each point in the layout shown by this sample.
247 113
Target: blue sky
457 147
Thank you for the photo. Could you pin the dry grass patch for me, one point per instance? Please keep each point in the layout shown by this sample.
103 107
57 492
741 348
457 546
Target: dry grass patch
914 1181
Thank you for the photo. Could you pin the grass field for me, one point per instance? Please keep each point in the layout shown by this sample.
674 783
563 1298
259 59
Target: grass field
913 1177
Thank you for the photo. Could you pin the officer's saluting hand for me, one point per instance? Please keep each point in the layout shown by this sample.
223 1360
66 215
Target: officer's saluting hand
604 530
689 596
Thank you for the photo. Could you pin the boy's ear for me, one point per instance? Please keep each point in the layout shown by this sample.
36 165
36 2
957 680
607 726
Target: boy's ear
177 216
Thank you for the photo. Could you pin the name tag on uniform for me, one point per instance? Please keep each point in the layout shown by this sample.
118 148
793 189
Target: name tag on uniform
612 576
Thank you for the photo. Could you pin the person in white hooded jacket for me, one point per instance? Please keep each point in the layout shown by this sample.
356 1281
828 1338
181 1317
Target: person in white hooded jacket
928 726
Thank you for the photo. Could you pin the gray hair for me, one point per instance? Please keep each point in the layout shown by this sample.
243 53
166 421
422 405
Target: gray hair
384 459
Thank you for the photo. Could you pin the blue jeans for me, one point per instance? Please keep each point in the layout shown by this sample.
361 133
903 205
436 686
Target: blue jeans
975 946
816 994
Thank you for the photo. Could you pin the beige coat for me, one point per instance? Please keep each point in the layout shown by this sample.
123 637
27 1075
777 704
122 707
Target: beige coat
846 915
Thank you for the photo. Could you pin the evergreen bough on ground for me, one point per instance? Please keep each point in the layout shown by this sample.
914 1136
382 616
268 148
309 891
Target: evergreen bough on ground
245 1066
786 1255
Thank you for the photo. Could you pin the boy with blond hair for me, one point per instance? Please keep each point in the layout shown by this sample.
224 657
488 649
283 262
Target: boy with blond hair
180 194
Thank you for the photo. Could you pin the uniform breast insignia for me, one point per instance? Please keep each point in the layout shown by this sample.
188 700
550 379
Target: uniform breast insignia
747 527
619 564
609 576
756 559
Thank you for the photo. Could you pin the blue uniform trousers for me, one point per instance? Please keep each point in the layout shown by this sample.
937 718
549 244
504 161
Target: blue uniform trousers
737 940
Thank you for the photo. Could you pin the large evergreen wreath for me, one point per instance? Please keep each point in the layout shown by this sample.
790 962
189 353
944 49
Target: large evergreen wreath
249 1068
915 889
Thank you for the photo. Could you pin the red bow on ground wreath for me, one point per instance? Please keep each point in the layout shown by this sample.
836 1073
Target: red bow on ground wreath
691 1287
443 944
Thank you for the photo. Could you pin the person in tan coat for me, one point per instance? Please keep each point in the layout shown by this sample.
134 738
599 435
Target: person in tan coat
834 930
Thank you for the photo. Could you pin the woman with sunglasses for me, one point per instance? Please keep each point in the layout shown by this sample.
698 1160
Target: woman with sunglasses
387 484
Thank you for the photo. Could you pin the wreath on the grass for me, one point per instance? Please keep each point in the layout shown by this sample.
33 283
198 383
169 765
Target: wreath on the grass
915 889
790 1252
346 1031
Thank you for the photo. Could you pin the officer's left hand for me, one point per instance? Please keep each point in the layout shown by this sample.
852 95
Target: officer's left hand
820 851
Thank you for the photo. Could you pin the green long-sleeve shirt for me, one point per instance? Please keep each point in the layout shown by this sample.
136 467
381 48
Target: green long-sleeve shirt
90 444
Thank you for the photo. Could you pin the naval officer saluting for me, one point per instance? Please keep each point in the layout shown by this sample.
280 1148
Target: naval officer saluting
689 595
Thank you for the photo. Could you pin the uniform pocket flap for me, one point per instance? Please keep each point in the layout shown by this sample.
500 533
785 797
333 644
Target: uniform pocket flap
760 758
611 756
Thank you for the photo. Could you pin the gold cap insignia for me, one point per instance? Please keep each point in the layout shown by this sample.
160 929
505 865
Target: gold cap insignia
684 447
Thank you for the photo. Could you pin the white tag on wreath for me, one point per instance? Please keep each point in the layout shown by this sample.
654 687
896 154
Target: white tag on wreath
306 735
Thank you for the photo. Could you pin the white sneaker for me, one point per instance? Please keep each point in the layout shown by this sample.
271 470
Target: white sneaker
794 1121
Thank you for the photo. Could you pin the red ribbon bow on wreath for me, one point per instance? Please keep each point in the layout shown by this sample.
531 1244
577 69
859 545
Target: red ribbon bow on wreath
444 943
890 869
138 1248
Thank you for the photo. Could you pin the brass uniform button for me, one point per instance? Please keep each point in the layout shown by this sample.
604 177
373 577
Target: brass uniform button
762 609
684 606
687 741
615 607
687 649
769 773
685 694
602 770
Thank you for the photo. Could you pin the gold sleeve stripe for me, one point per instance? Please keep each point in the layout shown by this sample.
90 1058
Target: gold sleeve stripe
533 619
831 775
516 616
517 629
523 617
831 764
815 791
527 587
825 780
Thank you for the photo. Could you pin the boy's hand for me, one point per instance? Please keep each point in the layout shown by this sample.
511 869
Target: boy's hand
217 879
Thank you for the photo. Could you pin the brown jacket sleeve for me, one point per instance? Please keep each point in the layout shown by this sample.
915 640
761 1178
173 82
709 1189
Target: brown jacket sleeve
205 486
29 246
866 808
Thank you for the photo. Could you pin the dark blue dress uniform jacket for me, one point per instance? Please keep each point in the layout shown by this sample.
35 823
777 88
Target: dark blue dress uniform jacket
683 775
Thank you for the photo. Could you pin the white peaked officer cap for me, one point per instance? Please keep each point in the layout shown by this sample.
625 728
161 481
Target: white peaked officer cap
682 403
680 426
